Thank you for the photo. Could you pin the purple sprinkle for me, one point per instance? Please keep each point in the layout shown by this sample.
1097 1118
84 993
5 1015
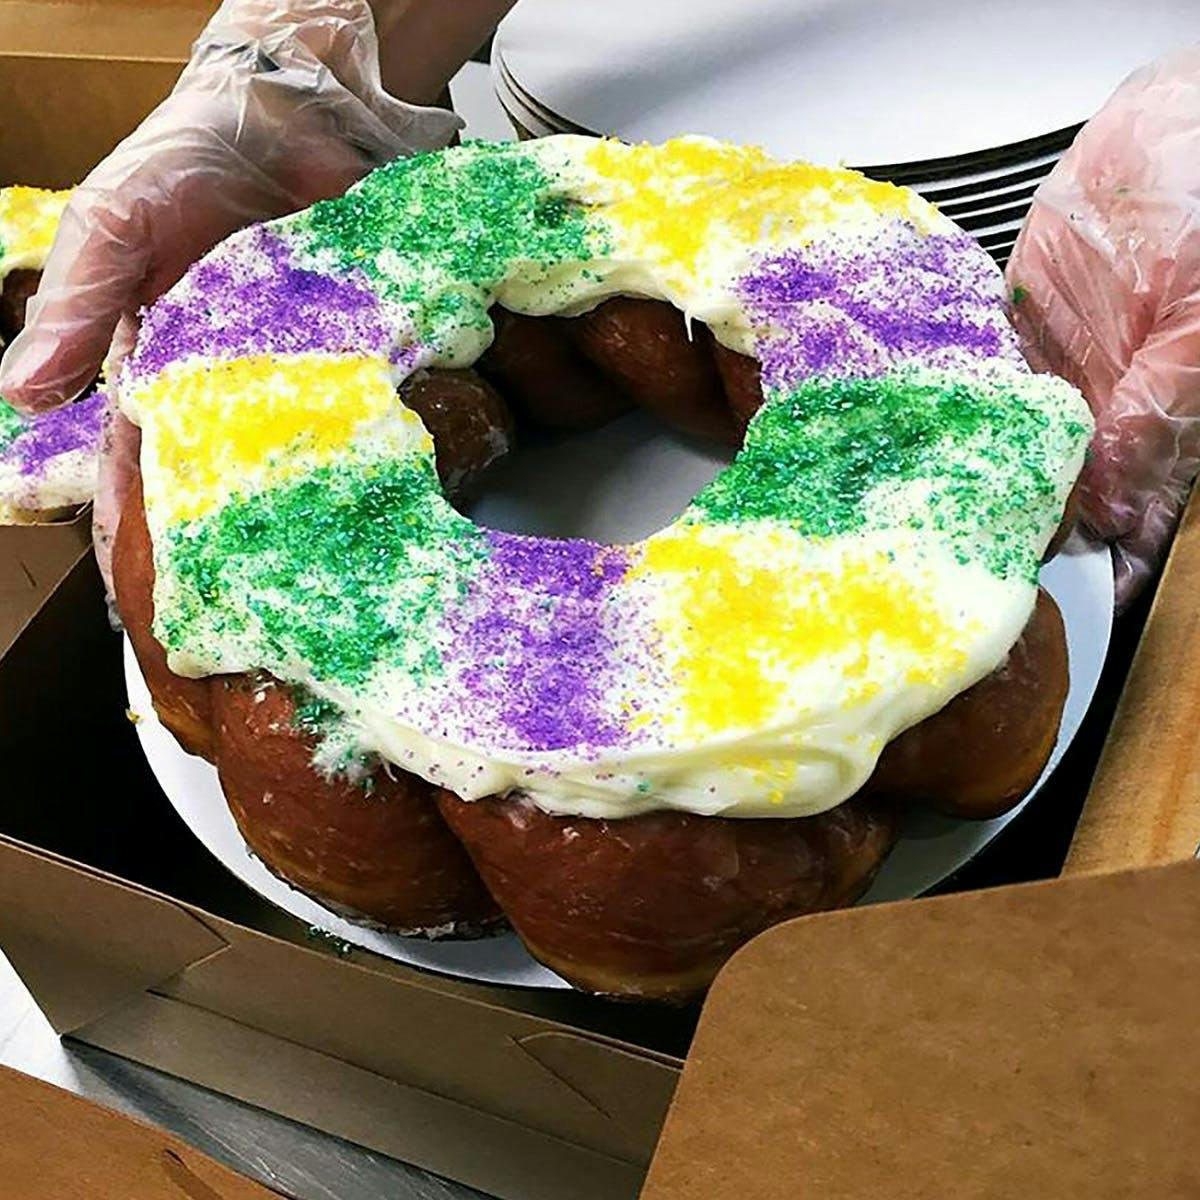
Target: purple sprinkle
248 297
51 434
536 637
861 307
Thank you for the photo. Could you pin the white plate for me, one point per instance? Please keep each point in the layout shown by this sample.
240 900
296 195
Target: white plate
191 786
615 485
856 81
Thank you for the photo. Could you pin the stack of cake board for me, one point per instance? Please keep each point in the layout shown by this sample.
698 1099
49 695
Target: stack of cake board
1030 1040
972 106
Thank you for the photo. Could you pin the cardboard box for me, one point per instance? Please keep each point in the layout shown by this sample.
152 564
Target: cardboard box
34 560
106 1157
1037 1041
76 76
1144 805
133 940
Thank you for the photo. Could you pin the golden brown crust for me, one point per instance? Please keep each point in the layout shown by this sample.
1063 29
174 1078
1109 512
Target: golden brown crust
469 422
645 346
376 849
742 380
18 286
384 855
540 374
651 906
183 705
1066 526
981 753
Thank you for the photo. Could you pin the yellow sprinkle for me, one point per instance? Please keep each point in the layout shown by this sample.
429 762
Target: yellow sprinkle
218 423
29 219
677 201
739 625
772 776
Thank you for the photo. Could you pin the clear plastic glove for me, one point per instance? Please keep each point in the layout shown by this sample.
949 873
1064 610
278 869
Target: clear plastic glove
280 105
1105 281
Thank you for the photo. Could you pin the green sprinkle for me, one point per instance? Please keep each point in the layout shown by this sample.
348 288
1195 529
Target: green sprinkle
830 457
438 231
1019 293
333 567
312 714
12 424
336 944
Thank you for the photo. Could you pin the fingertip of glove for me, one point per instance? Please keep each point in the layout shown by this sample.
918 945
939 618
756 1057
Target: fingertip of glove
30 392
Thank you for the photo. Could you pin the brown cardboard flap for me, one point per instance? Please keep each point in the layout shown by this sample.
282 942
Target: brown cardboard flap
89 957
508 1159
405 1026
57 1146
144 30
41 96
1037 1041
115 58
34 560
632 1090
1143 808
92 948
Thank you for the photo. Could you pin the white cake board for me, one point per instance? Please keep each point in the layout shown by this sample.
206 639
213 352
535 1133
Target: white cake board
851 81
618 485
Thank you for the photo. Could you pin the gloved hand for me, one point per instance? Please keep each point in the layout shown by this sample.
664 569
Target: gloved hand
1105 285
280 105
